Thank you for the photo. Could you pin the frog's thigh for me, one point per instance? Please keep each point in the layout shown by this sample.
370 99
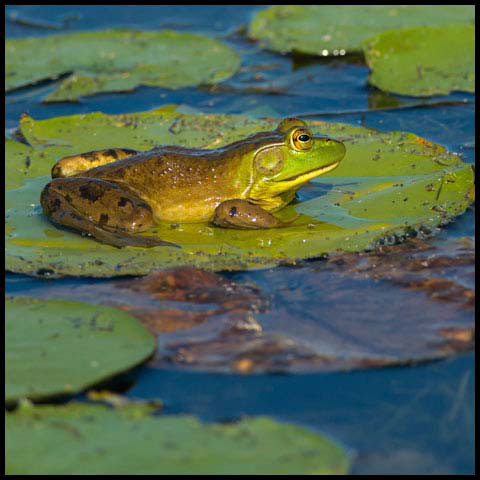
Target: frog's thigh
69 200
75 164
240 213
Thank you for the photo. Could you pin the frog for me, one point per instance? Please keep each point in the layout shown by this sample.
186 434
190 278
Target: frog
113 194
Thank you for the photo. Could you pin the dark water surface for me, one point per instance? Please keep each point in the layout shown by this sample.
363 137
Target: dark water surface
398 420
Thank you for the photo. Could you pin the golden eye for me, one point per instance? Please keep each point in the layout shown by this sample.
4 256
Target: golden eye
302 139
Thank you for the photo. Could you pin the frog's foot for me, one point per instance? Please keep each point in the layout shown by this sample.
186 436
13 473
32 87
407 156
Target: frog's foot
91 212
245 215
75 164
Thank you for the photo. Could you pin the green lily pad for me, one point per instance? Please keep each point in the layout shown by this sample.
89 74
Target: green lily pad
117 60
389 184
57 347
423 61
95 439
328 29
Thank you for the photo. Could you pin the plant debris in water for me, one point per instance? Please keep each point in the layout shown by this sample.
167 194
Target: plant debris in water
205 321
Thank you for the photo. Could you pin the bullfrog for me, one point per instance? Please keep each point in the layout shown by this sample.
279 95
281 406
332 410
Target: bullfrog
115 193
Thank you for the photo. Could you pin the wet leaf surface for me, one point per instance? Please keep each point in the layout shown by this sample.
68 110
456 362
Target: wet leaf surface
390 185
62 347
328 29
117 60
423 61
94 439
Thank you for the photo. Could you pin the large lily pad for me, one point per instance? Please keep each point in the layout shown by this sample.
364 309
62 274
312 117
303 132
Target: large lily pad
117 60
57 347
94 439
328 29
388 184
423 61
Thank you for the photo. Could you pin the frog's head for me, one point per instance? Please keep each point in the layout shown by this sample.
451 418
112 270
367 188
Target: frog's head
292 157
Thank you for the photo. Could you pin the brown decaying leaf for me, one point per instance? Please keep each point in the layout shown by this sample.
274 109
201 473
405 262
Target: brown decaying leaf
415 265
397 264
193 286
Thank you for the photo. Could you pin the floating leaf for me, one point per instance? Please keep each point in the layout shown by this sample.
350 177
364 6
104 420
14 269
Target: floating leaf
388 184
423 61
97 440
57 347
324 29
117 60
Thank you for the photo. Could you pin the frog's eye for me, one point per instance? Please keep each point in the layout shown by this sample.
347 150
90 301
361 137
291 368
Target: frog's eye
302 139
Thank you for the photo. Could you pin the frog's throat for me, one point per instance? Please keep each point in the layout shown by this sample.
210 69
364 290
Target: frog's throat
305 177
271 194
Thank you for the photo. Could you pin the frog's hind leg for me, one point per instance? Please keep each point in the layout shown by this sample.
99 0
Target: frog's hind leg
104 210
75 164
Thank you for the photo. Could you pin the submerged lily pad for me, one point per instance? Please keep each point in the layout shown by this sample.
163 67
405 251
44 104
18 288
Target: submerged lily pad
94 439
328 29
117 60
205 321
57 347
388 184
318 318
423 61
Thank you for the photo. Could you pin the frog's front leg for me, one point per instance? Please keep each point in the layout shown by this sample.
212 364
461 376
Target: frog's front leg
75 164
107 211
245 215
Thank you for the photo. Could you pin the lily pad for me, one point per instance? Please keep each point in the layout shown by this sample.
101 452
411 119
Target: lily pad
330 29
388 184
117 60
57 347
94 439
423 61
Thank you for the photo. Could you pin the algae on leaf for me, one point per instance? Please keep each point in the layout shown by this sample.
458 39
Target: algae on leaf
117 60
60 347
423 61
329 29
18 164
96 440
388 184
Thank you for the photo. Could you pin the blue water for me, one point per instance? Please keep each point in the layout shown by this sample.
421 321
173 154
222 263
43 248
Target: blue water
417 419
426 411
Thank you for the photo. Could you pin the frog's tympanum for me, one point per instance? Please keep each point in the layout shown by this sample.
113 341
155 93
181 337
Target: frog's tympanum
112 194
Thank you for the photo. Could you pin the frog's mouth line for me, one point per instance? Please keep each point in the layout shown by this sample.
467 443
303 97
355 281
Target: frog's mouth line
311 173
